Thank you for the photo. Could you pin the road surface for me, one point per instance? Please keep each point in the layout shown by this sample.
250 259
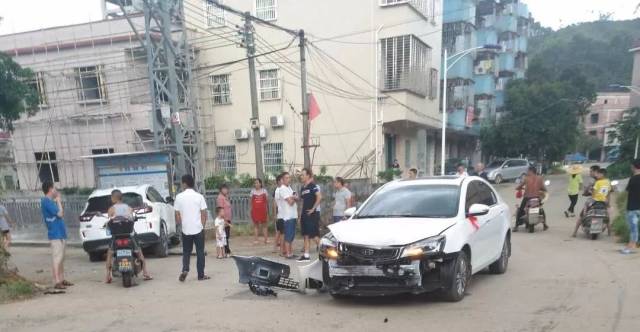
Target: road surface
554 283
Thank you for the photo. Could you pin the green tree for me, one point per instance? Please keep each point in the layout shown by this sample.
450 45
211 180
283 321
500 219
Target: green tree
16 95
627 131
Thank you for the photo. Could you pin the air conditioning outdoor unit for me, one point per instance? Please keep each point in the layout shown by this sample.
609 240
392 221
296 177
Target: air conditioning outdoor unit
277 121
241 134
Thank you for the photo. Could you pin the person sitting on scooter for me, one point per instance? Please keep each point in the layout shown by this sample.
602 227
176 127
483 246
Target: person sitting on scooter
599 194
121 209
534 187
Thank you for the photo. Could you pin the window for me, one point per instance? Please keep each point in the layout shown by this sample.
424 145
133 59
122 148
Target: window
220 90
90 84
425 7
606 101
214 15
154 196
412 201
269 85
267 9
594 118
434 78
405 64
102 151
47 166
8 183
407 153
226 159
272 156
487 196
37 85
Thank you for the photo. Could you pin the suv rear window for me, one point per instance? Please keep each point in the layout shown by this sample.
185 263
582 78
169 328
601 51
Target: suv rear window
101 204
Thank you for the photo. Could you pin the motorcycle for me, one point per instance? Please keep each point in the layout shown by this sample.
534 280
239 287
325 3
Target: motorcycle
125 261
534 213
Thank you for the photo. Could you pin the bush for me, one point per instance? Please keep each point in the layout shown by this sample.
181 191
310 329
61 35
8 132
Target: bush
16 289
619 170
323 177
388 174
619 226
214 181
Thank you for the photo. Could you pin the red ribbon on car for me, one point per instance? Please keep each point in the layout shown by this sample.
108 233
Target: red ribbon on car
474 222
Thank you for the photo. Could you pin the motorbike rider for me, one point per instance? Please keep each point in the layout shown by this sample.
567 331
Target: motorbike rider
121 209
599 192
534 187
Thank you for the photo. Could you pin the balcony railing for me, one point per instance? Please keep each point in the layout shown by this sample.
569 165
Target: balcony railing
414 80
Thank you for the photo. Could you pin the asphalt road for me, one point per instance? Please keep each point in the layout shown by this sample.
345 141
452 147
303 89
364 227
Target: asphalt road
554 283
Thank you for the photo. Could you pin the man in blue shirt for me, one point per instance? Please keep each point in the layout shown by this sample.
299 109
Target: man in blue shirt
52 213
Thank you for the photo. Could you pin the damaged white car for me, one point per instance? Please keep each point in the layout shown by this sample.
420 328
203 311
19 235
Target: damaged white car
416 236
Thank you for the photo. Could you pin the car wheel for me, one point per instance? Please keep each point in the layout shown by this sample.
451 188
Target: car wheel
96 256
500 266
498 179
459 278
161 249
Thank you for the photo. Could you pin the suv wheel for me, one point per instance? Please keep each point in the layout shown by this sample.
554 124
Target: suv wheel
161 249
96 256
498 179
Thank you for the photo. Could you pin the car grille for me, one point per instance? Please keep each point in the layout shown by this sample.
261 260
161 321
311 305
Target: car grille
357 255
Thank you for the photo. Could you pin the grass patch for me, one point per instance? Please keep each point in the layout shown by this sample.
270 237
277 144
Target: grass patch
620 227
16 289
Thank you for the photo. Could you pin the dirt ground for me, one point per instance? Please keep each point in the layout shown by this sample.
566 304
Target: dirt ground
554 283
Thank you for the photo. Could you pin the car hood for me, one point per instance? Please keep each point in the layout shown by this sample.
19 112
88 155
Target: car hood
388 231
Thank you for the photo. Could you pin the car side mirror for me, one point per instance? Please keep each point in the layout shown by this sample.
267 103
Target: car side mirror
348 213
478 210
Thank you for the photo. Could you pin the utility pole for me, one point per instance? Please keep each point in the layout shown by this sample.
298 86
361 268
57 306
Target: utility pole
255 118
305 100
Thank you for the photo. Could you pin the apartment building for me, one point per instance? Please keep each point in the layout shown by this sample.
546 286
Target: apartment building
93 99
607 110
373 69
477 81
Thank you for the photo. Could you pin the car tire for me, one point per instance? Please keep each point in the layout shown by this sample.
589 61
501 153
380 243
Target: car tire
459 277
498 179
500 266
161 249
96 256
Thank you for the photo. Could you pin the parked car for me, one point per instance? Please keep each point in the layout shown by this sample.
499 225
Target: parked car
415 236
506 170
156 231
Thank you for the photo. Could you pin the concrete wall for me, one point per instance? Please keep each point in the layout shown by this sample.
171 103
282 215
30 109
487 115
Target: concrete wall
635 79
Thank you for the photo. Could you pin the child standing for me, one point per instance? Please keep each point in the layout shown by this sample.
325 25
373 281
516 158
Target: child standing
221 235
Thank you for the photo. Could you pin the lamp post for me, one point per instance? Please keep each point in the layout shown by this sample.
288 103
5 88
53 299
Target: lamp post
446 68
636 90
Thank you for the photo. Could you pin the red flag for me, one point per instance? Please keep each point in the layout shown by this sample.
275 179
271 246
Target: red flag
314 109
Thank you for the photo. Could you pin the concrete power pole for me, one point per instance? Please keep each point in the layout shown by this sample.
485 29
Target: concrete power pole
255 117
305 100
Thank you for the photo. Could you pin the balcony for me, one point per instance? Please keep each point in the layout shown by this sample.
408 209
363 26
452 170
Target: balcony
459 11
521 44
521 9
412 80
506 62
462 69
457 119
507 23
486 36
499 99
485 85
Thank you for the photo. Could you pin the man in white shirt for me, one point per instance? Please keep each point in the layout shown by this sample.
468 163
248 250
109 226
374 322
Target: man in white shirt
288 211
191 213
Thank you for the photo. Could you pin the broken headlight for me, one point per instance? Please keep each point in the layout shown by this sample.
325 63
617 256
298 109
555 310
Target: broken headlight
329 247
424 247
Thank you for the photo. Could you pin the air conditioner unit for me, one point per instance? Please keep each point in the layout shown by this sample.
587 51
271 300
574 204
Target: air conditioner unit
277 121
241 134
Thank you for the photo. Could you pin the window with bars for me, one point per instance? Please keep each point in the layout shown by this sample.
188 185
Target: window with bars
425 7
47 166
220 89
434 78
226 159
405 64
269 84
214 15
272 157
38 85
91 84
267 9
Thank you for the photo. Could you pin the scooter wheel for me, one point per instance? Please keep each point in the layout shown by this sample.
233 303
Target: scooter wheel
127 279
531 228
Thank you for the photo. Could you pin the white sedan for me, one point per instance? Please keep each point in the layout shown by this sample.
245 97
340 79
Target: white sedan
156 230
416 236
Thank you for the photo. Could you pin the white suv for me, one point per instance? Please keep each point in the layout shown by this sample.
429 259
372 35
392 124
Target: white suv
156 229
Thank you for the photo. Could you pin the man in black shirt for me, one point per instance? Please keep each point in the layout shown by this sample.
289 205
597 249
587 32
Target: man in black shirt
310 216
633 207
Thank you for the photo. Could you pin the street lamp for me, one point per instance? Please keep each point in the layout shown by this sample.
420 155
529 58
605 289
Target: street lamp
635 90
446 67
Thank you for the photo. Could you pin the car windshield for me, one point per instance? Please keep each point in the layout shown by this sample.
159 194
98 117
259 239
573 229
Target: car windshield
413 201
101 204
495 164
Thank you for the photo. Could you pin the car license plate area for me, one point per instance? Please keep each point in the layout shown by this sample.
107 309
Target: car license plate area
398 271
123 253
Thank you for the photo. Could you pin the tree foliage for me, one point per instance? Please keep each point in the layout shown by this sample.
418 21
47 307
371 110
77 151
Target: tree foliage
16 95
627 131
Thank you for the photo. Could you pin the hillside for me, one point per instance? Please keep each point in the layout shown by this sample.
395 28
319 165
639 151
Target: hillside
600 50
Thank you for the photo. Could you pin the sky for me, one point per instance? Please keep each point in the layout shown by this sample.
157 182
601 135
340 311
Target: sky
25 15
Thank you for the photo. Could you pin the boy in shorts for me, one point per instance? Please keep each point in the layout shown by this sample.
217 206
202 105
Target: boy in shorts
221 236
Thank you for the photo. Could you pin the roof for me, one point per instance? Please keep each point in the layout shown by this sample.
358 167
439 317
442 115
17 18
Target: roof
141 189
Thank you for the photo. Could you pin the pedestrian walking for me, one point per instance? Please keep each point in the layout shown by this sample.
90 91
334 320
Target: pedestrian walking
574 188
259 211
224 202
287 199
221 236
5 227
191 213
279 242
309 216
481 171
52 214
341 199
633 208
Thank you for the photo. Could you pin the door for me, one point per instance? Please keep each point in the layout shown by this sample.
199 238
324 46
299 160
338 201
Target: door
483 240
509 170
495 226
159 205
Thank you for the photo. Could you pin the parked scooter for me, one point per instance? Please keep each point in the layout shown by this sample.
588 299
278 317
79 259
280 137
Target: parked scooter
534 213
125 261
597 217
